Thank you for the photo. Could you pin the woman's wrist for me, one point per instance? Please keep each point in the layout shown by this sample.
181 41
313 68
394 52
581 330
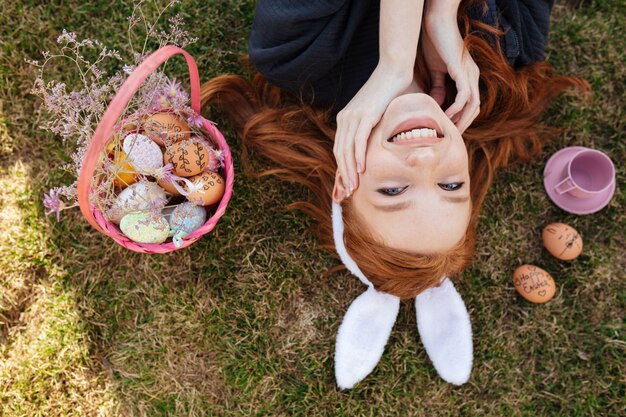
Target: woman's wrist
397 73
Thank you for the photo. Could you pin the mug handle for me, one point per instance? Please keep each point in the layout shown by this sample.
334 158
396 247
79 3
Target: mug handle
567 182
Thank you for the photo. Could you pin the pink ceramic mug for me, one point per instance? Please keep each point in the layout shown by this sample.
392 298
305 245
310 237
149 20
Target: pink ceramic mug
588 173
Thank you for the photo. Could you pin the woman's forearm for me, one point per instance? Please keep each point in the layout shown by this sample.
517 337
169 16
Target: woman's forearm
400 25
441 9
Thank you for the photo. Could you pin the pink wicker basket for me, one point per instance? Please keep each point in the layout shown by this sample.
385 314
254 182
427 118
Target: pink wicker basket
104 131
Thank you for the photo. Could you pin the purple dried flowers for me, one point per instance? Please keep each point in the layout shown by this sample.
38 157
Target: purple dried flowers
53 203
195 119
74 113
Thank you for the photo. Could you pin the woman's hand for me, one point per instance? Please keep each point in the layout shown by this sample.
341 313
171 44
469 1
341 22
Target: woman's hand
400 25
444 50
356 121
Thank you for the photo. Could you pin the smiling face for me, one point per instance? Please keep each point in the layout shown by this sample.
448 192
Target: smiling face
415 192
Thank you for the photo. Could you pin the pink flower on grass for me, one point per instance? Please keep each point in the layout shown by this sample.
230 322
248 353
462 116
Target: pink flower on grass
53 203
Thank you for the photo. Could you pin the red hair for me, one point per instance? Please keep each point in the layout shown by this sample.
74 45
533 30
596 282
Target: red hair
297 142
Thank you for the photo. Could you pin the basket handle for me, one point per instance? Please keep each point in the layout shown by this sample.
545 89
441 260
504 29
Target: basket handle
116 109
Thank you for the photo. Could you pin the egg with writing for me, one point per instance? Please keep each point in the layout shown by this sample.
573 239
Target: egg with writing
166 127
562 241
188 157
145 227
208 188
142 153
534 284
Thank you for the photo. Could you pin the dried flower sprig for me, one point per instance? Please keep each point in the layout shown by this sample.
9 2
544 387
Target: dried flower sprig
73 114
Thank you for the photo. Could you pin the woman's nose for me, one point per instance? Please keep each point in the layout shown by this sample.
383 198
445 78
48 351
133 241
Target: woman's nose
423 157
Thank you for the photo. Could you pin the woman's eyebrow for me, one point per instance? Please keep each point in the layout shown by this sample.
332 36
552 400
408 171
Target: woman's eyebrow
395 207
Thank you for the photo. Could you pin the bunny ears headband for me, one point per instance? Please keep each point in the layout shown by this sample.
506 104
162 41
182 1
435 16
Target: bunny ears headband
442 321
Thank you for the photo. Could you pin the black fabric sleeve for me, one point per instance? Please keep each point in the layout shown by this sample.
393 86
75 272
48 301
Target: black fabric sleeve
306 47
526 24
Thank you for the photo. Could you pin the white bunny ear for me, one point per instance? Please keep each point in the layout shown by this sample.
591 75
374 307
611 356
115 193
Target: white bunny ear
363 335
446 332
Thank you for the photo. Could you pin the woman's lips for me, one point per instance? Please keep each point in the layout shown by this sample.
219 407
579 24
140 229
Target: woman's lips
417 123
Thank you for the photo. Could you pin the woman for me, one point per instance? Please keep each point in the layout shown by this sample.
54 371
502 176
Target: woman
351 126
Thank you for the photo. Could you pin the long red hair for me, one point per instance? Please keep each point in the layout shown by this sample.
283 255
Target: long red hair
297 142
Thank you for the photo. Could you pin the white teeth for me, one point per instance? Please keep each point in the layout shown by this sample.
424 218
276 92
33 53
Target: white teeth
414 134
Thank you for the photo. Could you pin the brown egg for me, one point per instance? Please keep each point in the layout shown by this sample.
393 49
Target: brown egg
166 125
167 186
534 284
562 241
188 158
212 188
131 124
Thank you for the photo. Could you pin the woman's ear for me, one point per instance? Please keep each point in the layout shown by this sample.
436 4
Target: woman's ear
339 191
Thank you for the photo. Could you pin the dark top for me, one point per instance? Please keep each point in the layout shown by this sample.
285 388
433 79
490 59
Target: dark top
325 50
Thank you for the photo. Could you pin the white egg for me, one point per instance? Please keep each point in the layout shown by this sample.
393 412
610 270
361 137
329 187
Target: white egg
143 153
141 196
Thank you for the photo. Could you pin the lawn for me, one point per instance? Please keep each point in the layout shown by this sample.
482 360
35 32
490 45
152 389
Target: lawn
243 322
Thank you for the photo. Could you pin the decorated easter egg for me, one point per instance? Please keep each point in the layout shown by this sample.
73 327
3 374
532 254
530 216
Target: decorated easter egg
142 153
208 188
188 157
534 284
166 127
145 227
169 187
185 218
142 195
562 241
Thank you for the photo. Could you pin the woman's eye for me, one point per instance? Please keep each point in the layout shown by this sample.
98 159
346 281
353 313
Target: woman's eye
453 186
392 191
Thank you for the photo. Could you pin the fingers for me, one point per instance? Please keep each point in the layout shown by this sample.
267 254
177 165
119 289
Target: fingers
462 97
466 106
350 150
360 147
438 86
469 114
344 153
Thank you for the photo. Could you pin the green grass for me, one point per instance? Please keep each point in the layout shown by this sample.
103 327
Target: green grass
243 322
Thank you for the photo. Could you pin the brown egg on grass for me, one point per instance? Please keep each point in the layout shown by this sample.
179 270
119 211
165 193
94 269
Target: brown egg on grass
534 284
562 241
211 188
166 125
188 158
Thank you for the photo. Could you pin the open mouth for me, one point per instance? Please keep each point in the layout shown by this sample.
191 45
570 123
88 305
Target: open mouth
411 135
418 132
